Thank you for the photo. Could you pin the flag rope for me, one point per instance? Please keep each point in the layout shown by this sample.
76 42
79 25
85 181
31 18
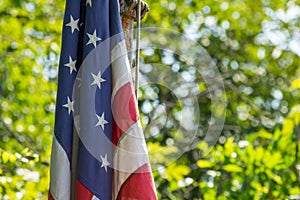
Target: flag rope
137 56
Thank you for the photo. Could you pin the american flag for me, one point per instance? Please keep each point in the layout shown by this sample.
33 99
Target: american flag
98 149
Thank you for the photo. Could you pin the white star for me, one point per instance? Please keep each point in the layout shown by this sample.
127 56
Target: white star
97 79
101 121
71 65
89 2
93 38
105 163
73 24
69 105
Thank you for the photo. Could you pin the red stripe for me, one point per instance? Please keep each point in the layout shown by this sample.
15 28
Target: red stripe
138 186
124 110
50 197
82 193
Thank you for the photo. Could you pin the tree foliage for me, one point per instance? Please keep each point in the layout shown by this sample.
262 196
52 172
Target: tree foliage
30 45
254 45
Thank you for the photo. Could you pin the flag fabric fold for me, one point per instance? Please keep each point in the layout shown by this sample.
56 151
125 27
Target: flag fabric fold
98 150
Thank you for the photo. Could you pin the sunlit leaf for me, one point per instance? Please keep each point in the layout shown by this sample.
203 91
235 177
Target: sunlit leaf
232 168
204 164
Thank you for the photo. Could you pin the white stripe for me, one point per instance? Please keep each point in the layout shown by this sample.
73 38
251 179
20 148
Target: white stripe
130 155
120 67
60 174
94 198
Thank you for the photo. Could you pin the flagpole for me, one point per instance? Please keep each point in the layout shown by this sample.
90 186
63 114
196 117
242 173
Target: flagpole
137 57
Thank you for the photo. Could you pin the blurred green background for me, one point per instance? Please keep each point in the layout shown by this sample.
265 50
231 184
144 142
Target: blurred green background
254 44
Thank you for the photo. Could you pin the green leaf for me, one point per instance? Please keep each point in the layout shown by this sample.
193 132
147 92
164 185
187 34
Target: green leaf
232 168
264 134
5 157
295 84
177 172
288 126
204 164
277 179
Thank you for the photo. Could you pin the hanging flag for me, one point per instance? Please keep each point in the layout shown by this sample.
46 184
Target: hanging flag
98 149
